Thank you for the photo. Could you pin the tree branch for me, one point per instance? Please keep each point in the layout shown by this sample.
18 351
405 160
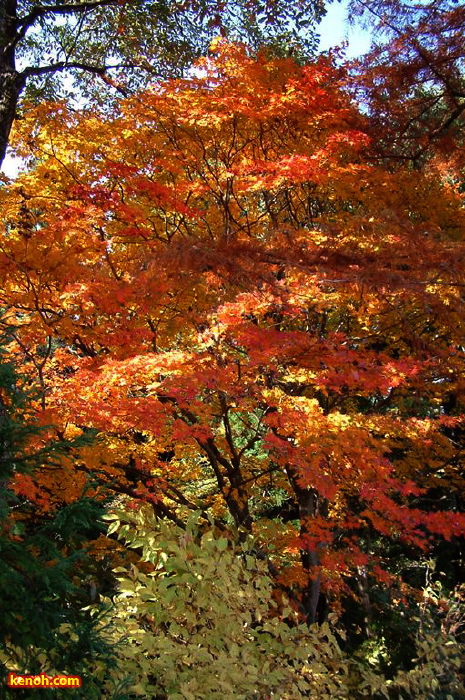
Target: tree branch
65 9
41 10
64 65
76 65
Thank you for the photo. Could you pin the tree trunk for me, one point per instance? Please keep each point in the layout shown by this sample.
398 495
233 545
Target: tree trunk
11 85
310 505
308 500
11 81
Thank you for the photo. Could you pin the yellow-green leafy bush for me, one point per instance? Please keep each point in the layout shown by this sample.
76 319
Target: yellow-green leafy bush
203 623
198 620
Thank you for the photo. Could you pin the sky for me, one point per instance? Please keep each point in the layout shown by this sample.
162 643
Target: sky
334 30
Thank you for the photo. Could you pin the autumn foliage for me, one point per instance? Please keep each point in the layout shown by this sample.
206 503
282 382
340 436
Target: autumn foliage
259 317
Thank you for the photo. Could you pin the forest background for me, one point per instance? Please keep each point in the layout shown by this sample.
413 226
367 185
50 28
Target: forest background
231 379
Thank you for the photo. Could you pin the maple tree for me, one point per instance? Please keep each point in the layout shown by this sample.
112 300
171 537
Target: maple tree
251 311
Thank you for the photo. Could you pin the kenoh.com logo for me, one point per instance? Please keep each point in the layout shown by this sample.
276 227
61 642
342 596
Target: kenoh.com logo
42 680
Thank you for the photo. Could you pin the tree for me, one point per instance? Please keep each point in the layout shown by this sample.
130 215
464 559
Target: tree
250 311
122 43
413 79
